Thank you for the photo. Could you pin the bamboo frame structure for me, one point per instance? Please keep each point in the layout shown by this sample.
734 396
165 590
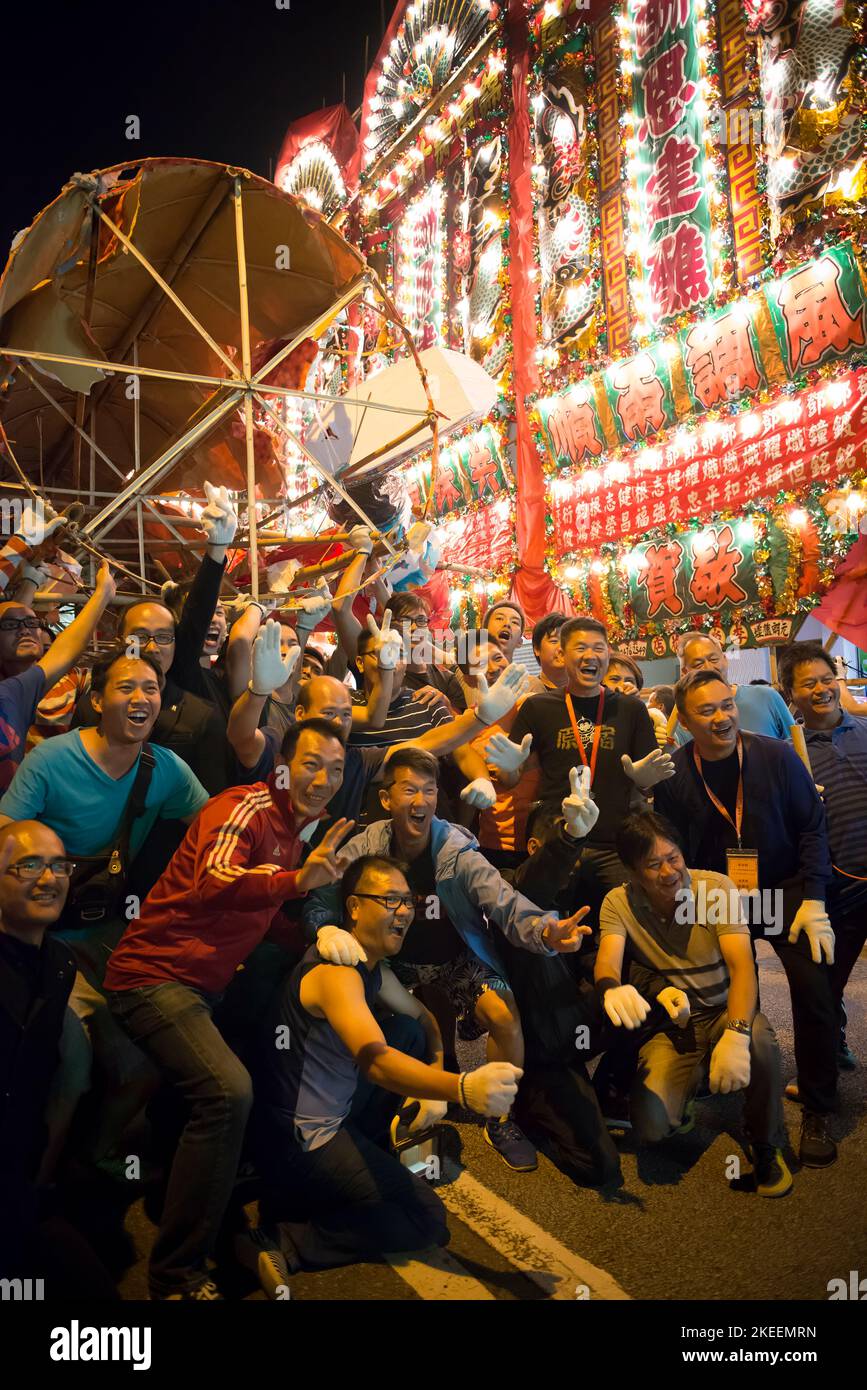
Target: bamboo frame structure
241 387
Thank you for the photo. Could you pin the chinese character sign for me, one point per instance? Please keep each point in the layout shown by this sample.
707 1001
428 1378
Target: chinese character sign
693 572
671 185
571 425
640 396
819 310
721 358
419 267
474 469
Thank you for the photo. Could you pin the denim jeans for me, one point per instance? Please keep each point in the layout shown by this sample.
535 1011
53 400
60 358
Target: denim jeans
173 1024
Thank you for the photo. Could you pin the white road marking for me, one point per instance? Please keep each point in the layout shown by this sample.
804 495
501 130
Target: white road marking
526 1246
437 1275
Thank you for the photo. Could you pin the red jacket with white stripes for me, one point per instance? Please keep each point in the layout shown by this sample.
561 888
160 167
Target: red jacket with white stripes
218 896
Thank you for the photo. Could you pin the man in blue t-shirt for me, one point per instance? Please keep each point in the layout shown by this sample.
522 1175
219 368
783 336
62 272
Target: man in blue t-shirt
761 708
78 784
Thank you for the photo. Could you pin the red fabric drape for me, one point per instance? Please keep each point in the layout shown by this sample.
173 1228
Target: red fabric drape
334 126
844 607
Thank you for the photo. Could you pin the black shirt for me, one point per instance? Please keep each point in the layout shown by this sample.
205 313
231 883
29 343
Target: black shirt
431 939
626 727
722 777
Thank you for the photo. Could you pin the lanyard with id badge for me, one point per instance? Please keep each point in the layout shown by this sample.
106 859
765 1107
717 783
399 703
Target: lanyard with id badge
742 865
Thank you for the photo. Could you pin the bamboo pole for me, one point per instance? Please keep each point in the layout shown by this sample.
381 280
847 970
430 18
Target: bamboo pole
799 743
246 367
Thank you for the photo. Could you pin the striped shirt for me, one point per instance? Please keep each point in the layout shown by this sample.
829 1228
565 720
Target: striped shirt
686 955
406 719
838 758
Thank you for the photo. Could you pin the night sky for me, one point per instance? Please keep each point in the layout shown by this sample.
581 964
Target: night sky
218 80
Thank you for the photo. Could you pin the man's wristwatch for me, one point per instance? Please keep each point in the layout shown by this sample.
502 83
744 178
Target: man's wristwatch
740 1025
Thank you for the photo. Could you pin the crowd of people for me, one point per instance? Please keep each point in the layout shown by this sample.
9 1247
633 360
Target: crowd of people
257 889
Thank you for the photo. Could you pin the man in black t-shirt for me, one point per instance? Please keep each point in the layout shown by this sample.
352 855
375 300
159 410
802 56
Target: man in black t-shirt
610 733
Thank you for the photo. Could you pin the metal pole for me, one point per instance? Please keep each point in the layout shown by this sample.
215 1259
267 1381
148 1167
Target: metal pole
136 439
246 367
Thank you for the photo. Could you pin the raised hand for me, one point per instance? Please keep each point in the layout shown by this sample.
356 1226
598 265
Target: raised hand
313 607
270 671
656 767
360 539
579 809
416 537
323 864
388 645
479 794
502 696
565 934
219 520
504 755
105 586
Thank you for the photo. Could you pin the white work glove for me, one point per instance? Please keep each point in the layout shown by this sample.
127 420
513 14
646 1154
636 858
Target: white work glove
417 537
34 575
219 520
676 1005
625 1006
502 696
579 809
480 794
430 1112
491 1089
361 540
281 576
656 767
39 523
270 671
504 755
812 918
660 728
312 609
840 667
339 947
389 645
730 1063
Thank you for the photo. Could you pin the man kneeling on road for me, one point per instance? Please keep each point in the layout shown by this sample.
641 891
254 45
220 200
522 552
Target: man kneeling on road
327 1081
691 953
449 944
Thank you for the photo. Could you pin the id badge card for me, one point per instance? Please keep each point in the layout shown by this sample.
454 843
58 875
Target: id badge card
742 867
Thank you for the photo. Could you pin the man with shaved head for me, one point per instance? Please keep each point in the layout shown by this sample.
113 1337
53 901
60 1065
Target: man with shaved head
761 709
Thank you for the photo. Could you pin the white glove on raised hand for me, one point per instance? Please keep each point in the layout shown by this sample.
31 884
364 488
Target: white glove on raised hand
389 645
270 671
480 794
660 728
39 522
579 809
812 918
417 537
491 1089
219 520
312 609
730 1063
676 1004
625 1006
430 1112
656 767
506 756
502 696
361 540
339 947
840 667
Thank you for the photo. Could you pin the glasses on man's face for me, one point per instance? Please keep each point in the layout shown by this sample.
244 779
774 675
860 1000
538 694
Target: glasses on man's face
13 624
392 902
162 639
35 868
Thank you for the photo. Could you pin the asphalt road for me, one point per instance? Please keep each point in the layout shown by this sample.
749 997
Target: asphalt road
673 1231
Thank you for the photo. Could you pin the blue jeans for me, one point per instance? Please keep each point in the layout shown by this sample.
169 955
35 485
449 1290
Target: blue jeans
173 1024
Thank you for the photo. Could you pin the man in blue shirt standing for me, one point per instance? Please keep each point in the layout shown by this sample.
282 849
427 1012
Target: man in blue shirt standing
837 746
761 709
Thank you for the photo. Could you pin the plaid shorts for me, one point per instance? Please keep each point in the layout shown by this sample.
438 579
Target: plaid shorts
463 981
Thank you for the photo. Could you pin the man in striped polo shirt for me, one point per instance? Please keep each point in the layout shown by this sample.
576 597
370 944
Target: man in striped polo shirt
692 956
837 746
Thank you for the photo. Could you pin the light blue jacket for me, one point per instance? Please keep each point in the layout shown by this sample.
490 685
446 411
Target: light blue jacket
469 888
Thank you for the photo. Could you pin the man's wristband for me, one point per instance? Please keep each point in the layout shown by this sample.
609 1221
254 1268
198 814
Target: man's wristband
260 694
461 1092
603 986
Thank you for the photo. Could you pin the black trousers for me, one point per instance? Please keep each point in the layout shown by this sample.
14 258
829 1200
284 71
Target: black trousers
557 1101
850 934
351 1199
815 1012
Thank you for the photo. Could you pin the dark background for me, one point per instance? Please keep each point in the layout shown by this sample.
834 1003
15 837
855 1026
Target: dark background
219 80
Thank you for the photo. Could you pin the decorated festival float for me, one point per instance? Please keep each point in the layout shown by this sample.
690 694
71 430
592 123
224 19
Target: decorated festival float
586 291
645 222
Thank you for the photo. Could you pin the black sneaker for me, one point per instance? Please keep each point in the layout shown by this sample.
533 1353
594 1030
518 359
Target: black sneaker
770 1176
512 1144
846 1060
260 1252
817 1148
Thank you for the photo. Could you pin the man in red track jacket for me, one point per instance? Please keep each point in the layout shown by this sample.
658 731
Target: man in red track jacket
211 907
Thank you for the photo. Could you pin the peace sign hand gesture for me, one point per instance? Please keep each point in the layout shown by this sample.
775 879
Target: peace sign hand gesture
323 864
579 809
564 934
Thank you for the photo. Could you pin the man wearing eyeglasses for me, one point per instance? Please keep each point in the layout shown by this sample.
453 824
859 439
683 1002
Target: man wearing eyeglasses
28 671
36 975
328 1076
